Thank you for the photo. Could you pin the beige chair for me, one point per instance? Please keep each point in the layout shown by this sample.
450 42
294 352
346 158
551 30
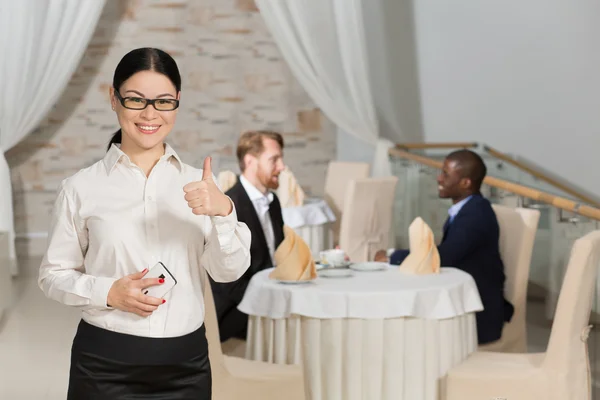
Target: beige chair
226 180
367 217
563 372
518 227
339 175
290 193
234 347
236 378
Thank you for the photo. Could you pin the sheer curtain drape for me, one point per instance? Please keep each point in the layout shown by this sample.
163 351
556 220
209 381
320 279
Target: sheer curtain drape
41 43
323 42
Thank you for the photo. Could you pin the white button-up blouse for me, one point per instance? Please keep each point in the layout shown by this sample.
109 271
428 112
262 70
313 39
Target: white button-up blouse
110 220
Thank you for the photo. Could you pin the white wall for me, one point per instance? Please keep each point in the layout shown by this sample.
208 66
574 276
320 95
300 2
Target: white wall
520 76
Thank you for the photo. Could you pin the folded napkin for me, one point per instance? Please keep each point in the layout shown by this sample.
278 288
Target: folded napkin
424 257
293 259
226 180
290 193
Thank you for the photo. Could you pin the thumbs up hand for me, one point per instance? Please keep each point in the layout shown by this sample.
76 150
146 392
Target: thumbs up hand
204 197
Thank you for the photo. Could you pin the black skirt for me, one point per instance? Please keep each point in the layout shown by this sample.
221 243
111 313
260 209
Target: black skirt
107 365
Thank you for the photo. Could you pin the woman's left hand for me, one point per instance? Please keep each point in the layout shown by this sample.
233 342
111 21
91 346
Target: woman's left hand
205 198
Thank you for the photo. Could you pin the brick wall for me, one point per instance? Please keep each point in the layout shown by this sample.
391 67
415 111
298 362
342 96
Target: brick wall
234 79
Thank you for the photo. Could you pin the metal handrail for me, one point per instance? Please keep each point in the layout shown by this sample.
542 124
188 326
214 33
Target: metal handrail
521 190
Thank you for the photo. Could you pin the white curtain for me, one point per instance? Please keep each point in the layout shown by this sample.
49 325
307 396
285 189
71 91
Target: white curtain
41 43
323 42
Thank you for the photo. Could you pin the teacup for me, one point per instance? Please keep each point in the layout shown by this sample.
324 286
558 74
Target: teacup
333 257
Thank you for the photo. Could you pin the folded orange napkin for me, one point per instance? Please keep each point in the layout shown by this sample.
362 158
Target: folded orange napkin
226 180
290 193
293 259
424 257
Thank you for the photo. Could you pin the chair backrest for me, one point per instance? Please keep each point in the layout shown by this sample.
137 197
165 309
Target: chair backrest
339 174
290 192
518 227
367 217
567 349
226 180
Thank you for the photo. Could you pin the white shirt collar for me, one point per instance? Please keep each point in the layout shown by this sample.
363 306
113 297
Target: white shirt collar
253 192
455 209
114 154
260 203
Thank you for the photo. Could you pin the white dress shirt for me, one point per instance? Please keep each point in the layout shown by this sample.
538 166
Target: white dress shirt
110 220
261 203
455 208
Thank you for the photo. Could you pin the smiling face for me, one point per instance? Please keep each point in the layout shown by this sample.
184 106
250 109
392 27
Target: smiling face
263 170
270 164
451 182
145 129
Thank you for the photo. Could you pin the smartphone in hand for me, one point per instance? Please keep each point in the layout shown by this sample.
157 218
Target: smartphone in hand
160 271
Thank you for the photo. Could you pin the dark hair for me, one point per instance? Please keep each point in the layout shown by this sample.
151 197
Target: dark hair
471 166
251 142
144 59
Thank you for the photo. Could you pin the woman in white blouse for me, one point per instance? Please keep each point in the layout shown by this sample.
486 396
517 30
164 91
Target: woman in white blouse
115 220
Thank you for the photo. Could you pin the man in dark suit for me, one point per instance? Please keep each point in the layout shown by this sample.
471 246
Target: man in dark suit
471 240
260 157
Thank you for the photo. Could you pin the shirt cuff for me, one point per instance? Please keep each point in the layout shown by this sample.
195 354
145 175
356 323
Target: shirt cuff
100 289
226 224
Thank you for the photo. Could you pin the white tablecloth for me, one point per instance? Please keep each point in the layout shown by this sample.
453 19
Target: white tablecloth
312 222
378 335
367 295
313 212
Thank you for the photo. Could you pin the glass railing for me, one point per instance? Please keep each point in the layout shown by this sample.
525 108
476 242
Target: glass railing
557 230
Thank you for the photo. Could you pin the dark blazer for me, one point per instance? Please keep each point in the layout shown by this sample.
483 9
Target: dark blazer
471 243
259 250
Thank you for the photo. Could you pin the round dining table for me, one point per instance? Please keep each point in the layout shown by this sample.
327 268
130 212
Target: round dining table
370 331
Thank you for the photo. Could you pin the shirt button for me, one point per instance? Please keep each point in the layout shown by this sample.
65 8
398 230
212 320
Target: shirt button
149 197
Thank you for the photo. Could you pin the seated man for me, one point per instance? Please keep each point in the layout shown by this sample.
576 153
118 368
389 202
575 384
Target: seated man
470 241
260 156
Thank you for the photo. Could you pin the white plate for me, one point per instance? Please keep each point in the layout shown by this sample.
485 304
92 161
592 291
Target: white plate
369 266
335 273
293 282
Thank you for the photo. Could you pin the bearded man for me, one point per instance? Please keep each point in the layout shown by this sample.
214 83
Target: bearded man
260 157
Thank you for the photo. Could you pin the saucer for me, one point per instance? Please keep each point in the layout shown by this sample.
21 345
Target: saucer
335 273
370 266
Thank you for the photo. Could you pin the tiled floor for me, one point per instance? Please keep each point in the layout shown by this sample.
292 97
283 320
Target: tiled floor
36 336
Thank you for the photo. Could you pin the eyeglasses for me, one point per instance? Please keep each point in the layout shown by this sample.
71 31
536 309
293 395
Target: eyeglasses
139 103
